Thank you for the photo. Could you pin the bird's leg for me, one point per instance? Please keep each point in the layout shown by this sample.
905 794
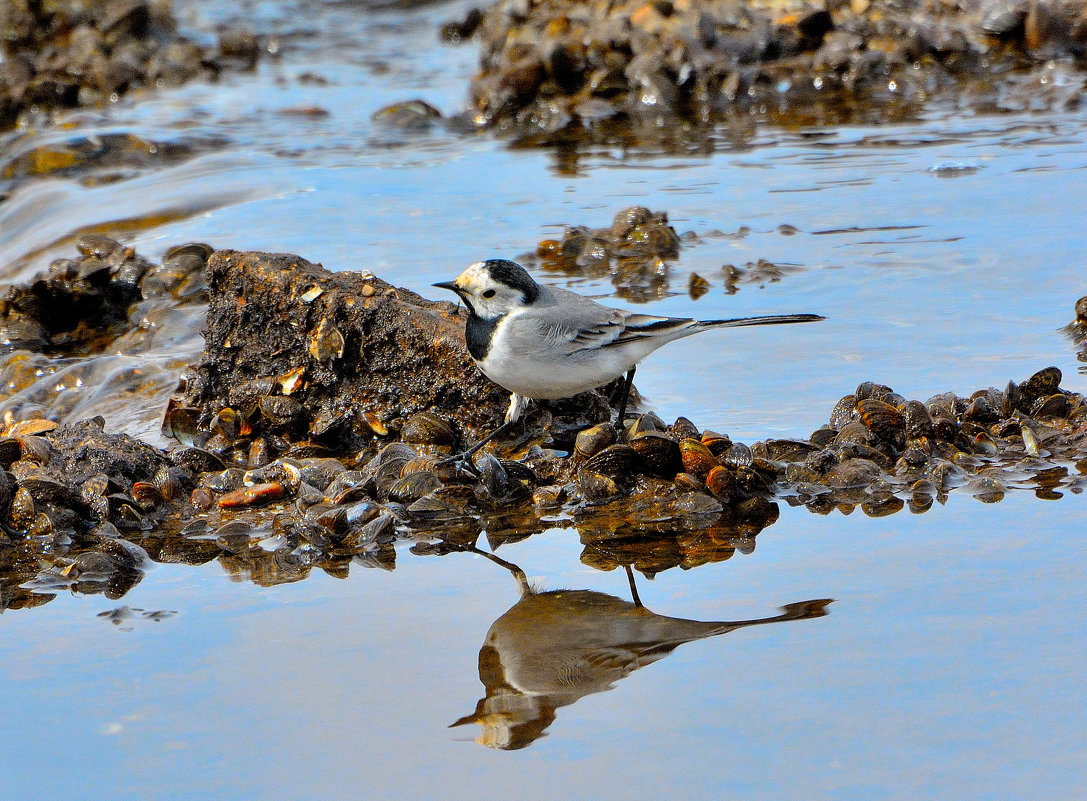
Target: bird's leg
633 587
623 398
518 403
518 573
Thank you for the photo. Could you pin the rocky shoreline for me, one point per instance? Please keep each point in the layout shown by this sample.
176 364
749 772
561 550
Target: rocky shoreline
551 66
313 429
60 55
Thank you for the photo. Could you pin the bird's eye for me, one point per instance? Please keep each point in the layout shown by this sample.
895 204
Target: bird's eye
489 293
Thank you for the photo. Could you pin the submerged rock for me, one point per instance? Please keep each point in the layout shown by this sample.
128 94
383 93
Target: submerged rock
83 305
71 53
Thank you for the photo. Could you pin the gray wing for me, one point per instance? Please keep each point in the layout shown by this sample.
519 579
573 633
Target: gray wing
578 324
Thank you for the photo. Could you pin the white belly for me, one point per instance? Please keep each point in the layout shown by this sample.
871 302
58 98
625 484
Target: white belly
555 378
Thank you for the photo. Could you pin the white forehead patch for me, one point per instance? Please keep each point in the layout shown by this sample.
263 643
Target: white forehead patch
474 276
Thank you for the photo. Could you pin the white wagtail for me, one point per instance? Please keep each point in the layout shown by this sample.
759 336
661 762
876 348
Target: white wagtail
543 342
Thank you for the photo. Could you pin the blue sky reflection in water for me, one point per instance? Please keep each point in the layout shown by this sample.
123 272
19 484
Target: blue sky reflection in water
949 667
946 254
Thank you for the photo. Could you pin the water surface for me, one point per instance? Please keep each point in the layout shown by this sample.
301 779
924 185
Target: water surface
946 254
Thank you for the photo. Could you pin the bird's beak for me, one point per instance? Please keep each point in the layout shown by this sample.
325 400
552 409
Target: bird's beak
452 287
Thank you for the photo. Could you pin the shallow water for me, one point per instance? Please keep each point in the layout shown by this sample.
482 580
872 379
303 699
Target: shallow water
946 254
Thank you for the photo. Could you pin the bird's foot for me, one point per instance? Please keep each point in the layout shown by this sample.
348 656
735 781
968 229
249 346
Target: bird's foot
463 460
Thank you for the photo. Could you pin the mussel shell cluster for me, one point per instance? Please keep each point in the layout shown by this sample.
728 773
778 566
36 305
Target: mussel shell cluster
64 54
74 499
82 304
633 252
882 452
667 71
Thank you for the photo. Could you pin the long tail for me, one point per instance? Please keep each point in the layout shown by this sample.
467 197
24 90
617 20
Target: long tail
771 319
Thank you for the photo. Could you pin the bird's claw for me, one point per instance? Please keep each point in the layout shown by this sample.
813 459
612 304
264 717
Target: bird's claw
463 463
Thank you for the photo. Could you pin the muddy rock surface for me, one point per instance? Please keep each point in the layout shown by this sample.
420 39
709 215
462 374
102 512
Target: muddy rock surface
71 53
297 352
549 65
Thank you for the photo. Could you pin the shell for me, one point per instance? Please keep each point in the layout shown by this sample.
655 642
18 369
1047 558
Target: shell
918 420
739 455
427 428
227 423
1030 441
380 529
180 422
256 495
280 410
592 440
260 453
97 245
853 473
1042 384
201 250
292 380
375 424
414 486
789 450
717 443
45 490
853 433
10 451
223 481
646 422
505 480
944 429
147 495
202 499
38 425
1055 406
615 461
869 390
171 481
658 454
23 509
327 342
97 485
981 410
822 437
722 483
596 487
285 471
883 420
35 449
328 515
696 457
687 482
684 429
844 412
198 460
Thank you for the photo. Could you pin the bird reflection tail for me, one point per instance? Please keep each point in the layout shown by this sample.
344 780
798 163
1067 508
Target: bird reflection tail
801 610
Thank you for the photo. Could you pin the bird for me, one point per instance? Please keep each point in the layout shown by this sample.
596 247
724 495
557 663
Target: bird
554 647
543 342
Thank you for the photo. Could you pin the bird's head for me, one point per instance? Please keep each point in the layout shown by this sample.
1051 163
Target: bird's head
494 287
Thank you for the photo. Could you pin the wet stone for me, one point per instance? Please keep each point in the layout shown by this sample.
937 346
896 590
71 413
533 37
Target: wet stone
98 50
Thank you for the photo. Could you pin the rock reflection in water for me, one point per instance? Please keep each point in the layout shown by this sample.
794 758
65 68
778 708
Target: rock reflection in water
552 648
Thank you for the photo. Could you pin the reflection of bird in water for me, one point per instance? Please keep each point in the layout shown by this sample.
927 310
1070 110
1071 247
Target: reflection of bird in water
552 648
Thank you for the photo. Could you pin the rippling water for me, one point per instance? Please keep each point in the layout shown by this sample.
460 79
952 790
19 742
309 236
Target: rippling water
946 254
